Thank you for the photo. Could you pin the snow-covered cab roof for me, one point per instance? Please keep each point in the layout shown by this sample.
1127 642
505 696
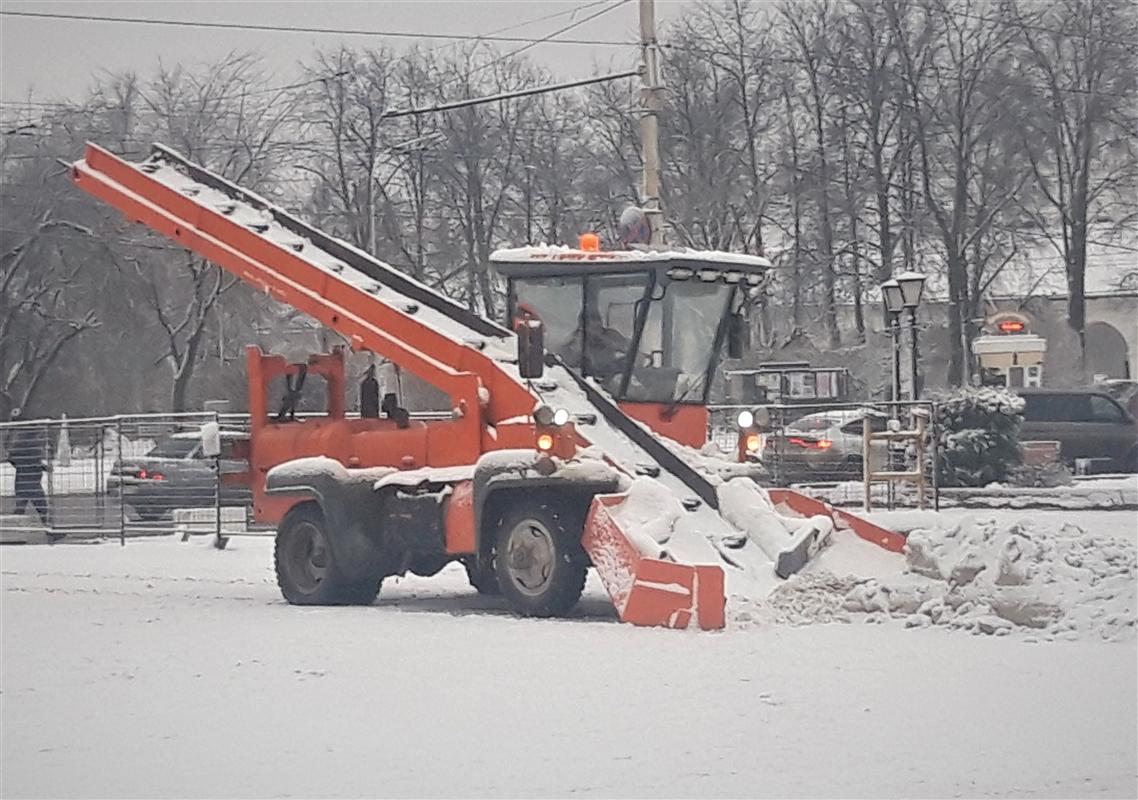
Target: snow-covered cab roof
678 263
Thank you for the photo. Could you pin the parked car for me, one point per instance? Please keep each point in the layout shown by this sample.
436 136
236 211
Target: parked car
1124 391
176 474
1087 423
825 446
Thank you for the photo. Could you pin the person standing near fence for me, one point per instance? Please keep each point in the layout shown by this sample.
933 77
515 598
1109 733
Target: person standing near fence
27 453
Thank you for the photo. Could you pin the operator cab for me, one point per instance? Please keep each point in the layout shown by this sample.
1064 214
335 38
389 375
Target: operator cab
648 326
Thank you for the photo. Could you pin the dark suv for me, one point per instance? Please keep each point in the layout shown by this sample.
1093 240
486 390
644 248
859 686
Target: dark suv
1086 423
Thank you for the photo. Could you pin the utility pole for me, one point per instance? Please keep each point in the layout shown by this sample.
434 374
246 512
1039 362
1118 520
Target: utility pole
650 91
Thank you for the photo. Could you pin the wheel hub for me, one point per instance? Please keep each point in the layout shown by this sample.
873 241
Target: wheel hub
530 556
308 558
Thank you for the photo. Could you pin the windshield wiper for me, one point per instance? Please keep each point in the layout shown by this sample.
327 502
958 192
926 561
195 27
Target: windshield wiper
670 410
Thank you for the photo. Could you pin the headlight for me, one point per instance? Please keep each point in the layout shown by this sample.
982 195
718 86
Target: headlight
753 443
543 415
561 417
745 419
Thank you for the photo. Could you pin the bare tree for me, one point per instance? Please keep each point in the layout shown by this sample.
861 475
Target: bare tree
866 68
228 119
956 63
37 319
807 27
481 164
1081 143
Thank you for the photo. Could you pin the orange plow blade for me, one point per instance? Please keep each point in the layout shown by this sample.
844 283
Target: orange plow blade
648 590
843 520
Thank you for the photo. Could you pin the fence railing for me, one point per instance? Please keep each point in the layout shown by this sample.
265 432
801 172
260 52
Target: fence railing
146 474
820 447
126 475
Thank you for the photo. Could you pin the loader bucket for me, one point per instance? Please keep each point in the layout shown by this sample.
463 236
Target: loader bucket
645 589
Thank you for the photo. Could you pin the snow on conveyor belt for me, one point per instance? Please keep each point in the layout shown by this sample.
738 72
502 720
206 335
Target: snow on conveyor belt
696 535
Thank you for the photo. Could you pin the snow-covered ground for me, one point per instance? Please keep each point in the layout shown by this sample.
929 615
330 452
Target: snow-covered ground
171 669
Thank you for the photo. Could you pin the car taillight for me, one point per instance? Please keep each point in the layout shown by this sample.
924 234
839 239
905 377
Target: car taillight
157 476
142 474
811 444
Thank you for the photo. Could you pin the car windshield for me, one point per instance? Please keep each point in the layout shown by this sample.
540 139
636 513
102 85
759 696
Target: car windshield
173 448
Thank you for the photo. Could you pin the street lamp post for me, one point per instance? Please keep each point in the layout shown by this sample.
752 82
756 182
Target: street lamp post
911 285
894 302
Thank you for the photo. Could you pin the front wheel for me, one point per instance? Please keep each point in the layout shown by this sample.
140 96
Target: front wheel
307 572
539 560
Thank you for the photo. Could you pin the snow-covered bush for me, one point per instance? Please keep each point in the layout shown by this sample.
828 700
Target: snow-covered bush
979 436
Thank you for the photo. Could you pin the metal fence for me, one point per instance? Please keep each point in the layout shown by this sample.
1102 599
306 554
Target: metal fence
138 475
125 475
821 447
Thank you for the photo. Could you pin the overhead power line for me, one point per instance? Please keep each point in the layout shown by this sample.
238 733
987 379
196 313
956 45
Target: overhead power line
543 40
248 26
546 17
494 98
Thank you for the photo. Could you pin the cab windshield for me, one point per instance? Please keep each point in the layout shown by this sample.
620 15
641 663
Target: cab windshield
642 337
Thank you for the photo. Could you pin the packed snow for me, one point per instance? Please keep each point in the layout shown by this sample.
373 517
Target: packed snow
165 669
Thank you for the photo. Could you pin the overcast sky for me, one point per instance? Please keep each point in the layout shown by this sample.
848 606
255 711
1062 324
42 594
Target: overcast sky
55 59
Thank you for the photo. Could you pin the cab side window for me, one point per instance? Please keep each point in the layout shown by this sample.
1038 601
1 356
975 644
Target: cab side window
1103 409
1057 408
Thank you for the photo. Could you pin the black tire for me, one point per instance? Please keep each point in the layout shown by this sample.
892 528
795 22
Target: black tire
482 577
539 560
307 572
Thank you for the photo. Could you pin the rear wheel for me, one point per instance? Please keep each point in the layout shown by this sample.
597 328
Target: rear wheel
539 560
307 572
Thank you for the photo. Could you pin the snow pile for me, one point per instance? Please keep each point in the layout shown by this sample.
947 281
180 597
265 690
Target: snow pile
981 577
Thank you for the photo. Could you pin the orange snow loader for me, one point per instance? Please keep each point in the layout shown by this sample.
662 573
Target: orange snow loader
522 481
